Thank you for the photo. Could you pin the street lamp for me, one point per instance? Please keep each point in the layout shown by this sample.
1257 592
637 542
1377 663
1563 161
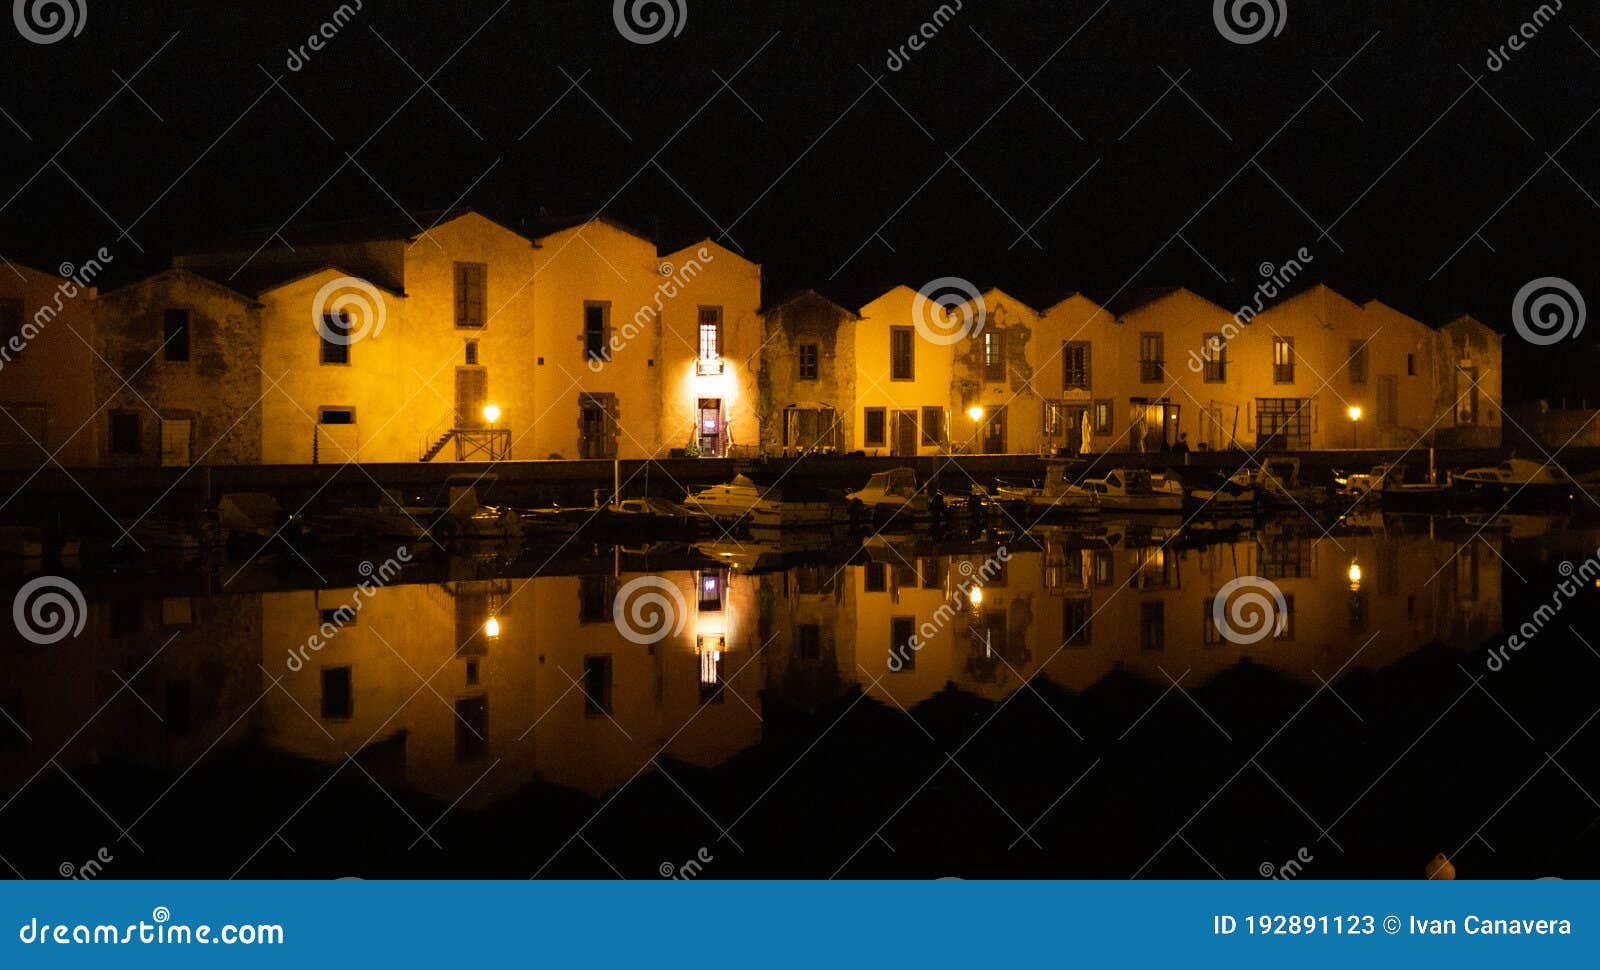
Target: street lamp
1354 576
1355 418
975 412
491 414
491 629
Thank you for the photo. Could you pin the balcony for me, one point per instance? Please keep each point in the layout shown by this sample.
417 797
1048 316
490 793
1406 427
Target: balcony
708 367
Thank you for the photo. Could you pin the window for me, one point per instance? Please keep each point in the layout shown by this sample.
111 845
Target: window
1358 361
994 355
1076 615
1152 625
1075 365
1216 359
336 415
596 686
472 729
808 362
472 284
993 440
335 333
902 362
595 594
1102 567
337 701
175 336
1102 417
1286 621
1283 423
933 426
472 353
875 578
1283 360
597 331
1210 633
873 428
10 320
712 587
125 433
472 673
338 618
1152 357
1411 365
901 630
710 341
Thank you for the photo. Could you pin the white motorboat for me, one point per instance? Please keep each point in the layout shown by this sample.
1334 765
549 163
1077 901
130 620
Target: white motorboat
1120 490
893 492
741 501
1515 478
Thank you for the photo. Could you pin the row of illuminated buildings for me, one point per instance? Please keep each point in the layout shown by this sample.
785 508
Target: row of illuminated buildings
467 338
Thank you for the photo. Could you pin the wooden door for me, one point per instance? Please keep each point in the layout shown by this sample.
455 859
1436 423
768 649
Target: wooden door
472 393
175 442
905 434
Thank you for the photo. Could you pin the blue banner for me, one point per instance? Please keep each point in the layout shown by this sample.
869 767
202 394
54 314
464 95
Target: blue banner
940 923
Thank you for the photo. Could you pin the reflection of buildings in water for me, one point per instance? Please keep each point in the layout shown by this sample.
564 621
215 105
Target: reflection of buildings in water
550 688
1084 611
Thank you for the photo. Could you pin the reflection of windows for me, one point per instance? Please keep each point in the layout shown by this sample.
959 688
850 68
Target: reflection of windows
711 587
992 630
1210 635
808 641
472 729
1075 365
807 356
1286 622
336 694
1076 615
1155 568
1101 567
1152 625
932 570
595 593
597 685
873 433
1358 611
1288 557
901 630
902 362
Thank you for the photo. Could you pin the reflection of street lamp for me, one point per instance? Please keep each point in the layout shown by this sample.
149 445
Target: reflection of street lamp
976 596
491 414
1355 576
491 629
975 412
1355 417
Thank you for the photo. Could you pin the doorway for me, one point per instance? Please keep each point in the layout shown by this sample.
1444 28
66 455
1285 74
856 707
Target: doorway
175 448
472 393
708 427
994 433
597 437
905 434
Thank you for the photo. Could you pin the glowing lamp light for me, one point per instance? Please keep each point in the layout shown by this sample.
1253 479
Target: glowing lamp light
1355 576
977 595
1354 412
975 413
491 413
492 628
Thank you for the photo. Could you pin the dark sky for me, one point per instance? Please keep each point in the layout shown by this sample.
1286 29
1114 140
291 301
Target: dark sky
832 182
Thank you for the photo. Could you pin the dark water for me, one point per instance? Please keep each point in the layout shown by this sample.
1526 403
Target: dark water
1086 718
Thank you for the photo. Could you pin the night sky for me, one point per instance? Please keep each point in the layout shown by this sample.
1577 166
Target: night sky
832 182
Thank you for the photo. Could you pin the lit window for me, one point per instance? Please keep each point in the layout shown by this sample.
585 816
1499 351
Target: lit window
710 340
1283 360
994 355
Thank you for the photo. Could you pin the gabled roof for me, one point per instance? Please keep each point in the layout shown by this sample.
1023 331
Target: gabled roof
187 273
291 277
808 294
404 227
547 225
1133 297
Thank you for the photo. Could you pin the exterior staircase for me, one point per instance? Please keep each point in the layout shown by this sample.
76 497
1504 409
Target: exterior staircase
438 446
